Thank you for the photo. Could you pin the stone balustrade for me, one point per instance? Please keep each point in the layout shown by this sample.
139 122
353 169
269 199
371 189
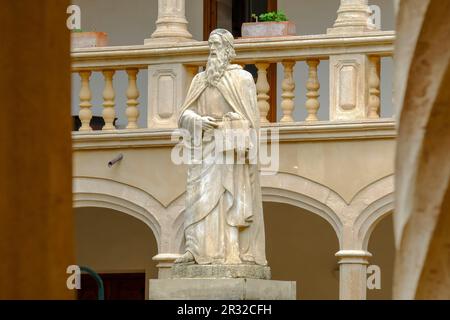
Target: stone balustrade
109 94
354 77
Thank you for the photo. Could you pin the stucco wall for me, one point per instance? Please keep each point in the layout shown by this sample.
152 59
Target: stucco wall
110 241
345 167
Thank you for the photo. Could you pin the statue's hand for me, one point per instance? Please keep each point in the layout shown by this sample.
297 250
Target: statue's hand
209 123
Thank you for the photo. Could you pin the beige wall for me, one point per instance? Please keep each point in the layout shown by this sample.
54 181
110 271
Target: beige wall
111 241
150 170
301 247
345 167
315 16
130 22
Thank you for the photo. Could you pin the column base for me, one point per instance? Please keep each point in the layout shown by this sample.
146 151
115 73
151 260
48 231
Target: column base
243 271
345 31
221 289
168 40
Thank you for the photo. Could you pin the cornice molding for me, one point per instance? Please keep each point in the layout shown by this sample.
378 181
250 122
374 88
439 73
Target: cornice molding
288 133
248 50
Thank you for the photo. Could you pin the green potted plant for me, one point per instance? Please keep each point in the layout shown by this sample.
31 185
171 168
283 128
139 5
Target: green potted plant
270 24
81 39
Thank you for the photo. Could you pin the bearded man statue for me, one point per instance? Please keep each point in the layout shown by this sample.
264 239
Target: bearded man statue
223 216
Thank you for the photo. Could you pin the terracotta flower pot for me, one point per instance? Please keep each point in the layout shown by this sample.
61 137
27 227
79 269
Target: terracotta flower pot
268 29
89 39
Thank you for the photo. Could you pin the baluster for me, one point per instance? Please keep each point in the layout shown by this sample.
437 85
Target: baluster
288 95
85 113
109 114
132 111
374 88
312 104
263 88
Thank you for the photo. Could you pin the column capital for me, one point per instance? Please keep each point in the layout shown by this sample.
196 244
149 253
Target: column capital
353 257
353 17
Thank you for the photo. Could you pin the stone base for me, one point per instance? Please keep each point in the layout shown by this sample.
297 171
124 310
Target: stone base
351 30
167 40
195 271
221 289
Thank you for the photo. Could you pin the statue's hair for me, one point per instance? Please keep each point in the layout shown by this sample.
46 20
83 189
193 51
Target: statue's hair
228 39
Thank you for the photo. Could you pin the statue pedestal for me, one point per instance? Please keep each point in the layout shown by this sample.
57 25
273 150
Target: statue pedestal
221 282
221 289
213 271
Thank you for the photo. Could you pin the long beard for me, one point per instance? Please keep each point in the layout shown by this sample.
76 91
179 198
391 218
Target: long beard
215 68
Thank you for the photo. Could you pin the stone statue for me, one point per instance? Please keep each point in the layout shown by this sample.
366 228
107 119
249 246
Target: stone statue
223 217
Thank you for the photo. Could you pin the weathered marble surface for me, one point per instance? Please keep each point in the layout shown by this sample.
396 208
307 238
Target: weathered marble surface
221 289
224 222
194 271
224 255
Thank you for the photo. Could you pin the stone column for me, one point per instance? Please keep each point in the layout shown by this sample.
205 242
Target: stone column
353 17
349 73
171 24
353 274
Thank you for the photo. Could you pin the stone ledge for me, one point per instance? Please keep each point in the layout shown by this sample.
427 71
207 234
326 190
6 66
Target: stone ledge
288 132
195 271
221 289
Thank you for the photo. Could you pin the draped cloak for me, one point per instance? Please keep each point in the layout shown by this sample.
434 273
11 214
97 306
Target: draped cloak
236 187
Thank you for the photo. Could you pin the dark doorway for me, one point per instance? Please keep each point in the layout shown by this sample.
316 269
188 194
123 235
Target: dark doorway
230 14
118 286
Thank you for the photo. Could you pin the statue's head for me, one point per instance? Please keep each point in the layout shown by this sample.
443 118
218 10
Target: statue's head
221 46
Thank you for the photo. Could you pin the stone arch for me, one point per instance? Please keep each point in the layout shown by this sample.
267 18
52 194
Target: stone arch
306 194
374 202
104 193
293 190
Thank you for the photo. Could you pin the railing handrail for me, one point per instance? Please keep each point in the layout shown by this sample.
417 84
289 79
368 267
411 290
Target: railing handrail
380 43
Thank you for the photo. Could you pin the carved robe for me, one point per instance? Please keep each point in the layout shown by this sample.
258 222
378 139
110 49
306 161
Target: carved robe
223 217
